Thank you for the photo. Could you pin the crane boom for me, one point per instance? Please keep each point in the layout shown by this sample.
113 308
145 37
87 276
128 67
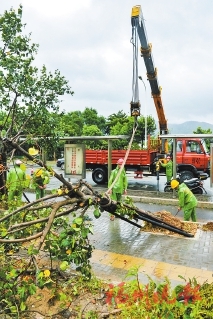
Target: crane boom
139 31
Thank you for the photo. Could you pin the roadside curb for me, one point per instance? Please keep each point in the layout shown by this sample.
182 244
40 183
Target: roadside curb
168 201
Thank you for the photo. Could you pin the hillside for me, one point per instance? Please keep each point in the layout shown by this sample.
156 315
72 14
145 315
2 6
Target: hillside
188 127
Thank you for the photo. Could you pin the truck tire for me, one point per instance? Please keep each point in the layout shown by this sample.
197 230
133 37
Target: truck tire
185 175
99 176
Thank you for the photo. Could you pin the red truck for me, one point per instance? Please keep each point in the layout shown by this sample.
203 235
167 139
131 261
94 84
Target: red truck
192 159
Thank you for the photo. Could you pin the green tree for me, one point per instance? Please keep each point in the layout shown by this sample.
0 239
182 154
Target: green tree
115 118
93 130
91 117
71 124
87 123
199 130
123 125
28 95
120 129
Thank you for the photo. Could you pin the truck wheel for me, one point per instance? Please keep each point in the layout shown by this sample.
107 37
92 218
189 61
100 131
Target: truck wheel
185 175
99 176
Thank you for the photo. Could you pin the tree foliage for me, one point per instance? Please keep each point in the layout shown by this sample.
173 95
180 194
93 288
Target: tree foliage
28 95
89 123
121 124
199 130
71 124
93 130
91 117
115 118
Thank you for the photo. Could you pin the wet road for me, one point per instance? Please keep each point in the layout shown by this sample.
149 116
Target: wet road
147 183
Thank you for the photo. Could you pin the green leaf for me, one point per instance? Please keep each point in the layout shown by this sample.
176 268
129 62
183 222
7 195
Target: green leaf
4 233
22 306
64 265
13 309
97 213
32 289
84 232
64 243
40 275
62 296
78 220
32 250
91 230
73 242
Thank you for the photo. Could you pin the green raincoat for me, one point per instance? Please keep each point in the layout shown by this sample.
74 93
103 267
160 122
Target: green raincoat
39 182
121 184
188 202
15 183
169 170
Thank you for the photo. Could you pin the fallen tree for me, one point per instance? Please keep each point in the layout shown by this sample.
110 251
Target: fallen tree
76 198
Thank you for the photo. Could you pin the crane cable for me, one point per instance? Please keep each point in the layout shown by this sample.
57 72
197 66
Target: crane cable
125 158
134 42
135 97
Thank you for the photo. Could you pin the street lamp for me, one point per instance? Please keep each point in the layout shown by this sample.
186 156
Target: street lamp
145 116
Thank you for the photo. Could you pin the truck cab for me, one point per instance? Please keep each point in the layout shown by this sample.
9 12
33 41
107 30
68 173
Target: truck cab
192 157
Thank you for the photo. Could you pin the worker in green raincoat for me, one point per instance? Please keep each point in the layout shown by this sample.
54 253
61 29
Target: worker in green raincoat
40 180
187 200
169 168
121 184
15 184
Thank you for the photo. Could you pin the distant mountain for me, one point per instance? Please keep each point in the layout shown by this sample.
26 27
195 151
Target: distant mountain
188 127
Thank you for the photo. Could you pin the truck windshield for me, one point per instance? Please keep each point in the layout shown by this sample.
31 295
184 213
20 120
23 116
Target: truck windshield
204 146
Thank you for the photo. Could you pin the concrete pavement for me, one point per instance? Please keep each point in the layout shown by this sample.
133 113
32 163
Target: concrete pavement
120 246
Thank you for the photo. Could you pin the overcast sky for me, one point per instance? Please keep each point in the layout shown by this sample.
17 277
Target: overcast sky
89 42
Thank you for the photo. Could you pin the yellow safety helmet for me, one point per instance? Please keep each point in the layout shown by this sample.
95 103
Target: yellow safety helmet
174 183
38 172
32 151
